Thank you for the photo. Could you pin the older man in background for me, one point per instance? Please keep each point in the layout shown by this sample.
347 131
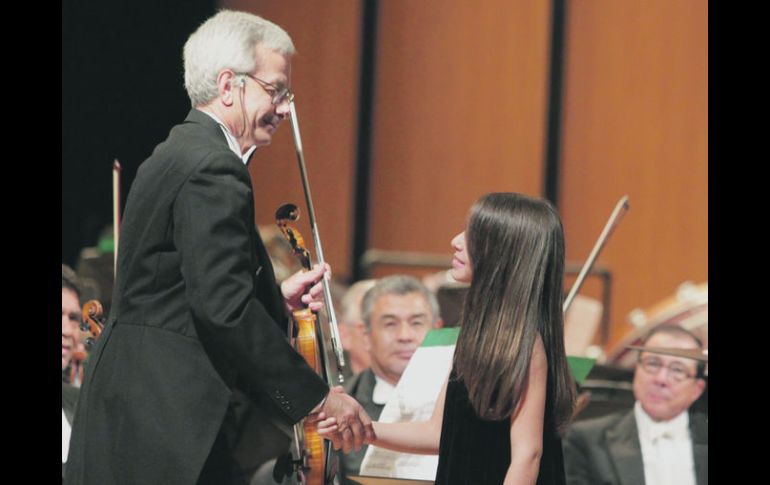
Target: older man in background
659 441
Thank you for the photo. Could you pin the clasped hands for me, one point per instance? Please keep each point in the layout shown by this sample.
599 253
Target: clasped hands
344 421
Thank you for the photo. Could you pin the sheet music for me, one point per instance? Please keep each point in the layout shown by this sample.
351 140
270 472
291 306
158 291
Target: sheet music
413 400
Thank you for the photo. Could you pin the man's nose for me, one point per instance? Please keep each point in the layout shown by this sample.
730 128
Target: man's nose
283 109
405 332
661 376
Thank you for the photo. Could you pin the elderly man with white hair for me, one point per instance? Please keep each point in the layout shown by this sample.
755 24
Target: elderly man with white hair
196 311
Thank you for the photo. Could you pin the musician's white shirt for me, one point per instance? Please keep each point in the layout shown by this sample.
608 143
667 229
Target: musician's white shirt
666 449
231 141
382 390
66 431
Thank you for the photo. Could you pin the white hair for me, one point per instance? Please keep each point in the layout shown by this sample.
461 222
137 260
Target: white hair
227 41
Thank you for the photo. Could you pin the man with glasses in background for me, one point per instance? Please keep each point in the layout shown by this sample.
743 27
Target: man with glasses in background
70 330
660 441
196 311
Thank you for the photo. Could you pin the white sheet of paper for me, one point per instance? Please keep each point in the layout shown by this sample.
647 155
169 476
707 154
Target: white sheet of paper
66 431
413 400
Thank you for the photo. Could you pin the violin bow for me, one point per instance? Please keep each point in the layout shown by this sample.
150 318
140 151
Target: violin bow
620 209
115 211
335 335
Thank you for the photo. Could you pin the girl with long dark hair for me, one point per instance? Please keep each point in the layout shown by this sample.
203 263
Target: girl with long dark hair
510 394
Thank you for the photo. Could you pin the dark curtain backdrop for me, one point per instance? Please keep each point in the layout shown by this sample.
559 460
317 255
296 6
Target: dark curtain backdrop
122 90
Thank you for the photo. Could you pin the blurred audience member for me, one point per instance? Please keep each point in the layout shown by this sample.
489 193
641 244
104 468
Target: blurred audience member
397 312
352 329
660 441
70 319
70 323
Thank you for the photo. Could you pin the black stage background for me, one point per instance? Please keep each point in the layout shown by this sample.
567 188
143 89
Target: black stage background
122 90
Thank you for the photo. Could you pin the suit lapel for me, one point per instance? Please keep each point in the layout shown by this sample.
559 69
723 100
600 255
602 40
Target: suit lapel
365 388
69 397
700 446
625 451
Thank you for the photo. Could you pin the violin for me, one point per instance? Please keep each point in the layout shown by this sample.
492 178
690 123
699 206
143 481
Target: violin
115 211
92 322
312 452
314 464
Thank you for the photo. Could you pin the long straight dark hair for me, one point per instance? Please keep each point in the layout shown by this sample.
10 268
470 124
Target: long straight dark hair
515 245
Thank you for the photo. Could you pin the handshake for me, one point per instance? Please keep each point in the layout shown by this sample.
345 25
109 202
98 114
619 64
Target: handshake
343 420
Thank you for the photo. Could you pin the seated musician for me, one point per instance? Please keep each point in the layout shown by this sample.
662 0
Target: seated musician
660 441
352 329
70 323
398 311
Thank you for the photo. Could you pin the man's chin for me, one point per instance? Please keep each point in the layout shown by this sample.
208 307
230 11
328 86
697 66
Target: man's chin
263 139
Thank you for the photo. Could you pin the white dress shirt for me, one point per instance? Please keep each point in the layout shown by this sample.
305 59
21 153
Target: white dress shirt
66 431
666 449
232 142
382 390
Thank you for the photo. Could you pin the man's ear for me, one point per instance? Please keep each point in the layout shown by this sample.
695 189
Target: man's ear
700 386
438 323
227 83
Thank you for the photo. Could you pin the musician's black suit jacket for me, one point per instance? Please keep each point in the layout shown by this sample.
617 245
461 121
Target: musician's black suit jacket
606 450
69 400
196 312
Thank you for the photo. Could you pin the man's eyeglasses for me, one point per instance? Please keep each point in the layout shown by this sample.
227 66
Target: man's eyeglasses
279 95
675 371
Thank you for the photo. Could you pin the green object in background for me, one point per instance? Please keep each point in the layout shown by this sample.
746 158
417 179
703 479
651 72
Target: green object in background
580 366
441 336
106 244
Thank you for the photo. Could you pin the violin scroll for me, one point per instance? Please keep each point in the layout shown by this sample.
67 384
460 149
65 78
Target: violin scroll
93 321
283 215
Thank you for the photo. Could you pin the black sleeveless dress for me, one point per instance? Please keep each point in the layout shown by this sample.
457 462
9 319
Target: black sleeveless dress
478 452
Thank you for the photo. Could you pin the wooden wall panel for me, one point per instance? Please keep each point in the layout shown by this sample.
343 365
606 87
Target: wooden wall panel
325 77
635 122
459 111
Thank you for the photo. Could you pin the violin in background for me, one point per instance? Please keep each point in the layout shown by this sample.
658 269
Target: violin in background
92 323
